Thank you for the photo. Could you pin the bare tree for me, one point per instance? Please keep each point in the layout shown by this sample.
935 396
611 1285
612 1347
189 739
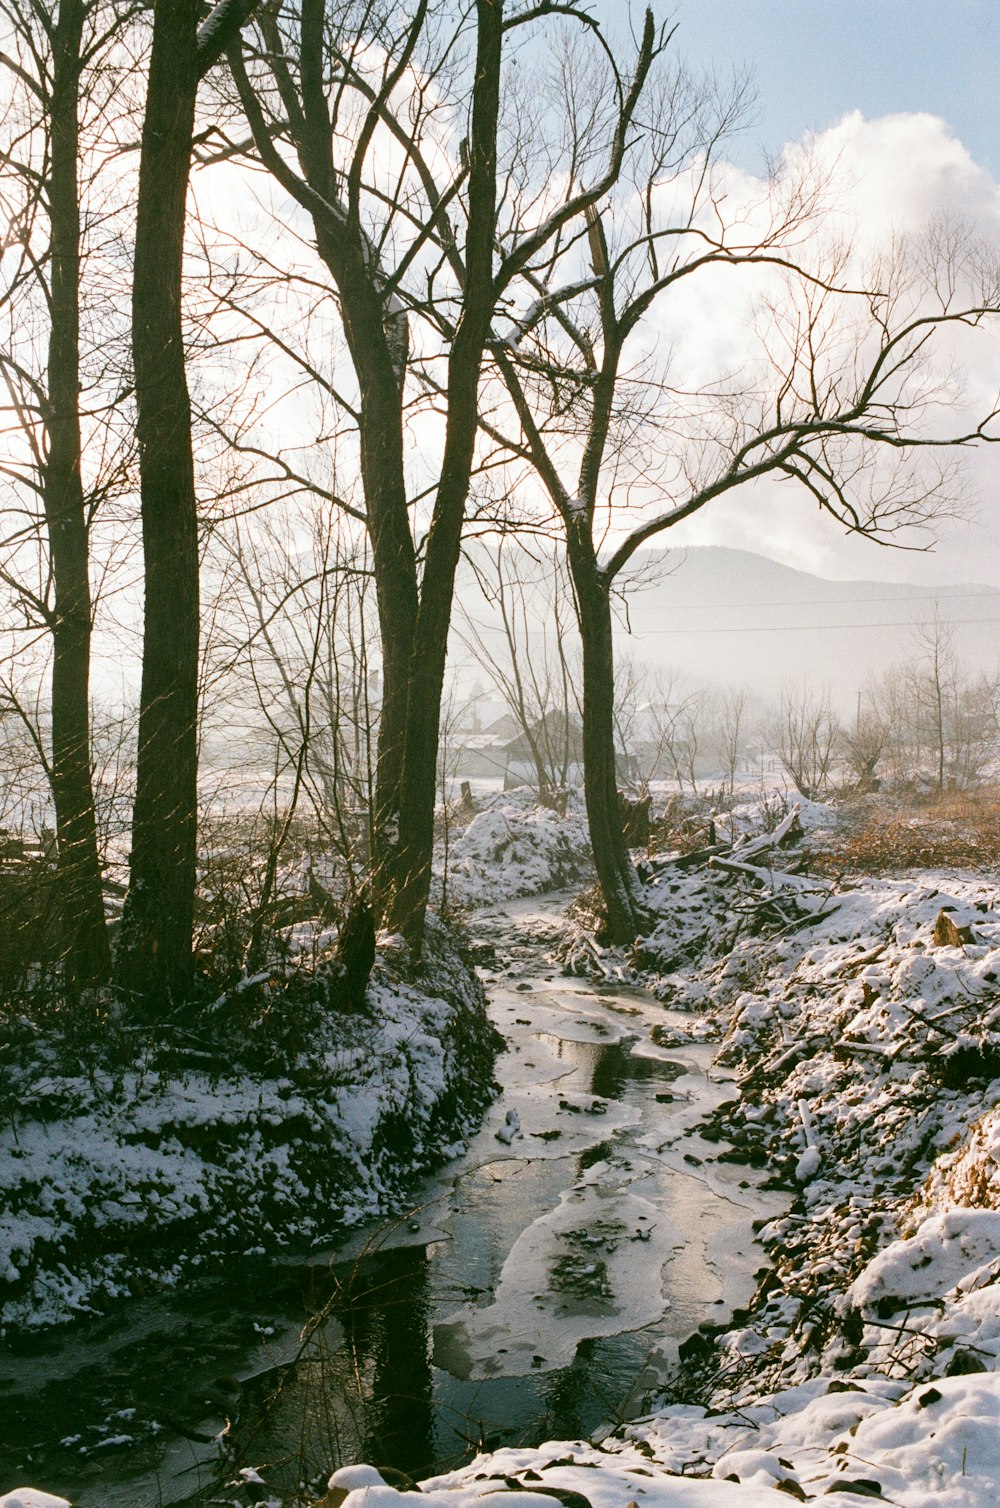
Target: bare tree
804 732
662 724
865 741
154 957
64 63
731 732
297 646
949 714
837 400
888 703
527 659
687 737
309 88
934 683
351 124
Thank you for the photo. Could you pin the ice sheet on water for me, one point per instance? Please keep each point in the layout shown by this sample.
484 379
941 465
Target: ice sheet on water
590 1267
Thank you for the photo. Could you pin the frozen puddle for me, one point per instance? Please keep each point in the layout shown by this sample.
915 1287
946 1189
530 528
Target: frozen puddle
641 1230
572 1274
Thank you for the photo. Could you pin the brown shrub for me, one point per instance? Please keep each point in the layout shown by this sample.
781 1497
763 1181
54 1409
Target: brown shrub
957 831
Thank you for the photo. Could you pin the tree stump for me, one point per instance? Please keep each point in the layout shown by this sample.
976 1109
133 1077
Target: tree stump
356 952
635 820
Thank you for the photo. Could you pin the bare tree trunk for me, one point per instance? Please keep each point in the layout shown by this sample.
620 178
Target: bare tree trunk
376 338
615 871
937 706
155 958
85 938
413 873
393 555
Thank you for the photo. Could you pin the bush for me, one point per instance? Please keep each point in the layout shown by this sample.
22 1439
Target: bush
960 831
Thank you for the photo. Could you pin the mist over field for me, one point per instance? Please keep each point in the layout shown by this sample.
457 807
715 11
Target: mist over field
733 618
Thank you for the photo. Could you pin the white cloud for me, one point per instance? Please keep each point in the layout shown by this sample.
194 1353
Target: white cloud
897 171
884 177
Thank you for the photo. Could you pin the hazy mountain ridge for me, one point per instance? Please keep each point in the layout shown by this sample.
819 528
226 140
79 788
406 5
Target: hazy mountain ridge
730 616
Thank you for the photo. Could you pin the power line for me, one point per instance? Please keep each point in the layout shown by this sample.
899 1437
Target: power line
687 607
782 628
805 628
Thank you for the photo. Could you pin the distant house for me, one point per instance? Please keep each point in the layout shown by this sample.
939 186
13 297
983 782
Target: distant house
505 750
556 740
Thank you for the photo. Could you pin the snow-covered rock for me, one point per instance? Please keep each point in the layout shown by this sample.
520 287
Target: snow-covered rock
29 1497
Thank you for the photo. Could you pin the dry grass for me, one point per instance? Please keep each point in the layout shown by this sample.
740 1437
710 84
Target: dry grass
683 824
957 831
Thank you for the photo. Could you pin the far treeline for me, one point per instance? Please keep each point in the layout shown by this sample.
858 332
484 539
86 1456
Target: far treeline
299 297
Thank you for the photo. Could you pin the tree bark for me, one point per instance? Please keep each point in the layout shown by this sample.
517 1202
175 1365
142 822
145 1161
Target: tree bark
155 956
615 871
393 554
85 939
412 878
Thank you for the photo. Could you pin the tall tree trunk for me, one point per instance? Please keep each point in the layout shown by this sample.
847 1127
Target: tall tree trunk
155 958
414 616
393 555
615 871
419 788
377 340
85 939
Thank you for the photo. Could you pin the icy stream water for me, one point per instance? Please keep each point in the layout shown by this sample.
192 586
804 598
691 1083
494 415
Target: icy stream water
540 1289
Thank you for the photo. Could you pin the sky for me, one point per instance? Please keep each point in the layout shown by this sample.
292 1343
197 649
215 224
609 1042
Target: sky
815 60
906 91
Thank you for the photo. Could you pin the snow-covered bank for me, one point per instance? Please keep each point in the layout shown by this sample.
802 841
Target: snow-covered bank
275 1122
862 1020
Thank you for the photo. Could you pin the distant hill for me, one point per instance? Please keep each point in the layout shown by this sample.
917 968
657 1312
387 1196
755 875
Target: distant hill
729 616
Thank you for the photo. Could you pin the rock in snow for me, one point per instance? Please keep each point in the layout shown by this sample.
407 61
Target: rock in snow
808 1164
29 1497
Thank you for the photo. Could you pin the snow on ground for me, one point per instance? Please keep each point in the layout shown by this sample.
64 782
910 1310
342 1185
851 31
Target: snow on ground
121 1177
513 846
29 1497
863 1022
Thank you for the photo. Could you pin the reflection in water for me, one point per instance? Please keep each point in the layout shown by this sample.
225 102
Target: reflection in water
87 1410
610 1067
361 1388
593 1155
387 1327
615 1066
566 1395
363 1384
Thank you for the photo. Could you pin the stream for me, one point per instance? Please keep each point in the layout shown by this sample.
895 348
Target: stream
539 1289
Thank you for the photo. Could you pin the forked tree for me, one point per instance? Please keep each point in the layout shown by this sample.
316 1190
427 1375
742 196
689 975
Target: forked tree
401 131
838 396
